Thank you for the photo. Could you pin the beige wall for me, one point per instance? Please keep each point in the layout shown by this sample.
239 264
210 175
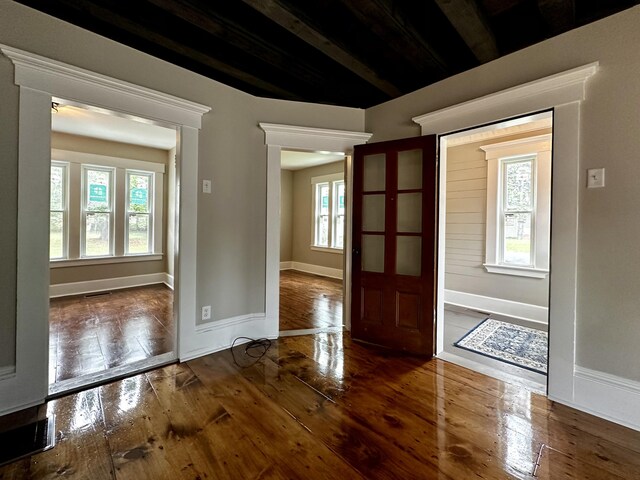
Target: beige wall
76 143
608 329
302 214
466 230
232 153
286 215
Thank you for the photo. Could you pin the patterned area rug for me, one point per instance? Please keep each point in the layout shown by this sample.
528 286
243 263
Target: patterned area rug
521 346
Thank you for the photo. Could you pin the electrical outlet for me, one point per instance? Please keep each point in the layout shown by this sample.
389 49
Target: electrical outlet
595 177
206 312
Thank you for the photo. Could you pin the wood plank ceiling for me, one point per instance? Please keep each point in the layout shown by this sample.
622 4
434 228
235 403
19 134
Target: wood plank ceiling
355 53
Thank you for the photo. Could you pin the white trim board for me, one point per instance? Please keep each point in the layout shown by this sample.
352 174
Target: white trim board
41 80
524 311
608 396
106 284
563 92
314 269
219 335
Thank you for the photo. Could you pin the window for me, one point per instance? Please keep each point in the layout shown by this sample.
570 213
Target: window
58 211
518 206
139 217
104 209
97 211
328 211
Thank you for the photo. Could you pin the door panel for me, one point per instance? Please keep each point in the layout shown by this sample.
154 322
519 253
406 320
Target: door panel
394 231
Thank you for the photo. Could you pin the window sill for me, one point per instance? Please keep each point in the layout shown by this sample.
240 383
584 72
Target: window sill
517 271
327 249
81 262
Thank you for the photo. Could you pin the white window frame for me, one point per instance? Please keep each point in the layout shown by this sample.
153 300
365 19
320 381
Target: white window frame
77 161
331 181
151 211
334 213
65 209
498 155
83 212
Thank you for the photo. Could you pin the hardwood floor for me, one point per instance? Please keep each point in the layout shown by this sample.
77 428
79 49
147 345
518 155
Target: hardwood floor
91 334
309 301
324 407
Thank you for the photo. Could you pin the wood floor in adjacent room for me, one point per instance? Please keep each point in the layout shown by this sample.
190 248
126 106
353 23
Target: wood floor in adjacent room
91 334
322 407
309 301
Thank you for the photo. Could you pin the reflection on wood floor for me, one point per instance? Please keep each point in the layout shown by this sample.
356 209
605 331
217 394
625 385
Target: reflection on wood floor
91 334
323 407
309 301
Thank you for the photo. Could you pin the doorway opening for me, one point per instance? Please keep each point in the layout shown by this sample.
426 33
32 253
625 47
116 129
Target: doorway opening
313 217
495 196
112 246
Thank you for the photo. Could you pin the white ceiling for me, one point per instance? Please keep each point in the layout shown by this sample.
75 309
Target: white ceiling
88 123
292 160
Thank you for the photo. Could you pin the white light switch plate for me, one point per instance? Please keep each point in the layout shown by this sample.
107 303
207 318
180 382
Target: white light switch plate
206 186
595 177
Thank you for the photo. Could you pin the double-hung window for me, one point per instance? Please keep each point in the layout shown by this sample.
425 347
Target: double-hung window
328 211
58 210
139 216
518 206
97 211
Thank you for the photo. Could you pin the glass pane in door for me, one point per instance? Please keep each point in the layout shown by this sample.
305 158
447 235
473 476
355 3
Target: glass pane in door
373 253
410 169
409 256
409 212
373 213
374 172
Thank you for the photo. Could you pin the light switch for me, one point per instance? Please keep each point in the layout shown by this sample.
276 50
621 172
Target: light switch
206 186
595 177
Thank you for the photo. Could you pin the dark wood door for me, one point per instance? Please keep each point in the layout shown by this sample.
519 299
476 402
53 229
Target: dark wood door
394 240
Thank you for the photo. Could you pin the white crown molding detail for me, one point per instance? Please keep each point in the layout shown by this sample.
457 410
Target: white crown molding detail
552 91
39 73
608 396
538 143
289 136
524 311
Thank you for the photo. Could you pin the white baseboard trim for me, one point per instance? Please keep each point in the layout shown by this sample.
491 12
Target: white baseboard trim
6 372
285 265
81 288
168 280
219 335
315 269
607 396
525 311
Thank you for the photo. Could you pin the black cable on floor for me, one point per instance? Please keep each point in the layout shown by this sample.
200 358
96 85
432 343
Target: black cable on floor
254 349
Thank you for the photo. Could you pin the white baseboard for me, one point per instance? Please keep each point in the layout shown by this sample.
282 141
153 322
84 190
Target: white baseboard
6 372
168 281
219 335
607 396
81 288
315 269
525 311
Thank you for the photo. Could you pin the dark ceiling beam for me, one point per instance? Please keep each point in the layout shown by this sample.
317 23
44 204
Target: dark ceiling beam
558 14
123 23
468 20
396 31
496 7
277 12
241 38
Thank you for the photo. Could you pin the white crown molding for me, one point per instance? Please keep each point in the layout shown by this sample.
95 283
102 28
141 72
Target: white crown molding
554 90
290 136
539 143
73 83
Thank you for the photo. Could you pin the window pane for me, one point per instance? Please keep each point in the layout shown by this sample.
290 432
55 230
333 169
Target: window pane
138 233
374 172
56 235
57 188
97 235
373 213
518 185
340 198
409 169
139 193
409 218
324 199
323 231
373 253
98 190
339 232
517 238
409 256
